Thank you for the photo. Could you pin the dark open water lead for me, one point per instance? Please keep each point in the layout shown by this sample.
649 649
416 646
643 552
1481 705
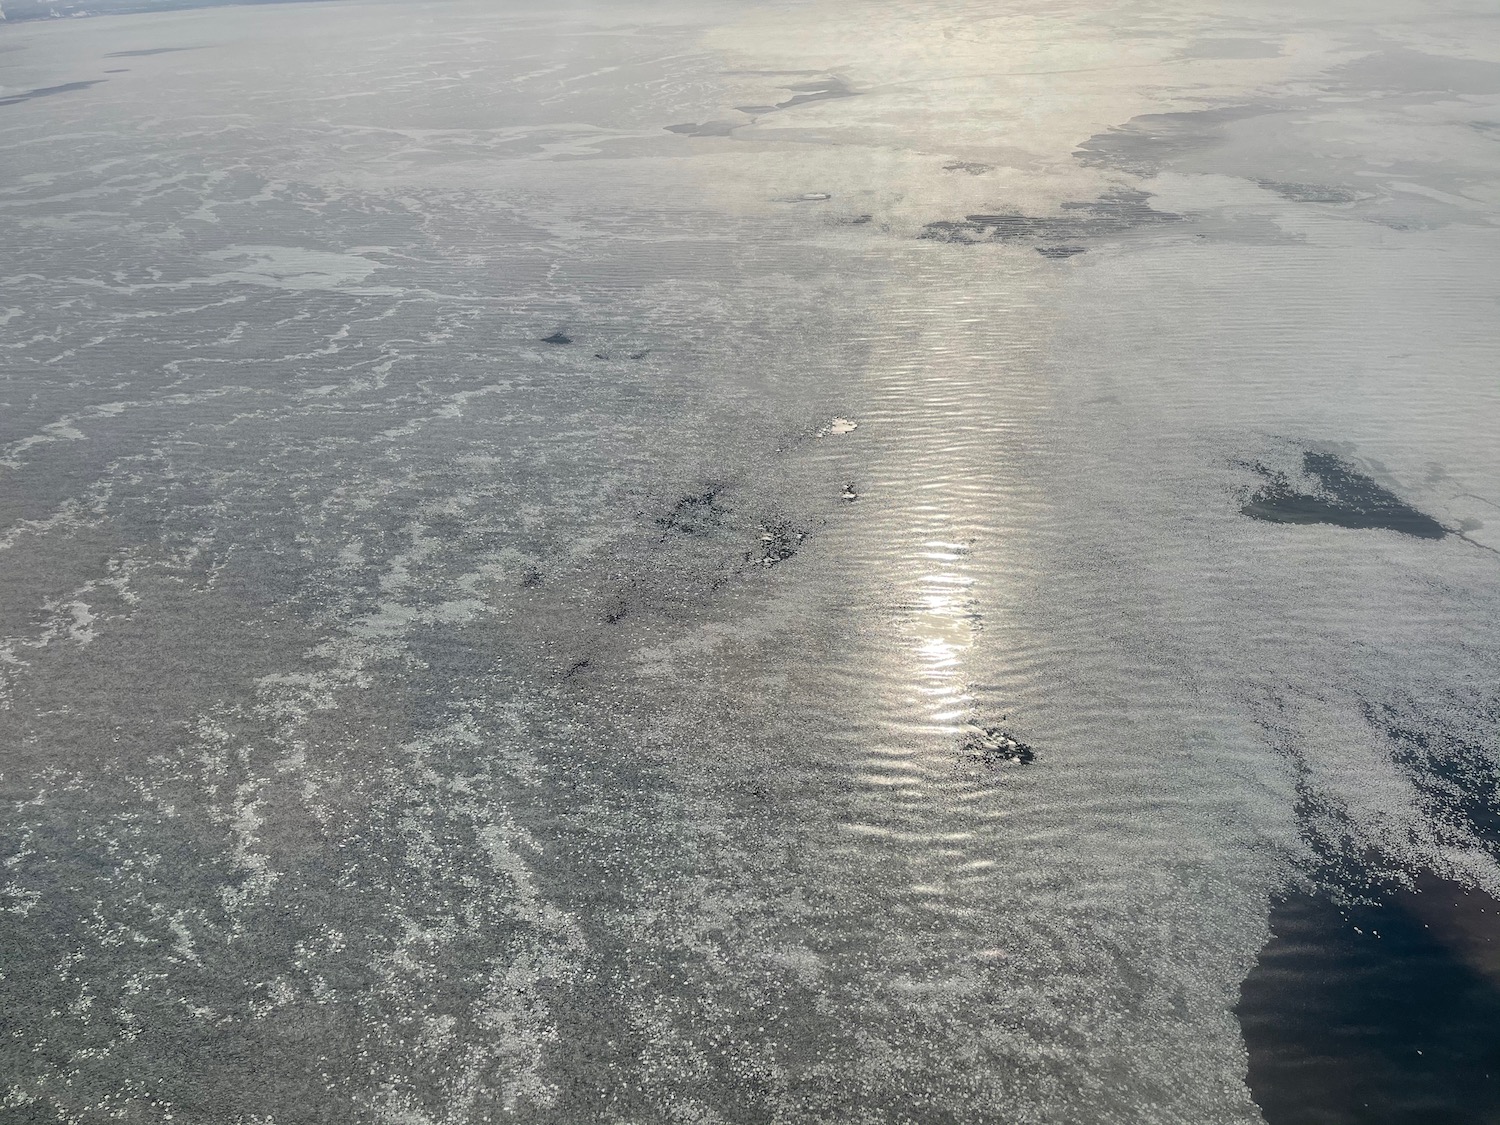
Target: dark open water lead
1384 1012
1342 496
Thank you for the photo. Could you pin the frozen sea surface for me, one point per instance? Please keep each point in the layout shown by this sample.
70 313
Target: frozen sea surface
743 563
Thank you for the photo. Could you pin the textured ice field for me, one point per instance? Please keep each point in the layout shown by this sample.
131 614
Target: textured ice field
459 664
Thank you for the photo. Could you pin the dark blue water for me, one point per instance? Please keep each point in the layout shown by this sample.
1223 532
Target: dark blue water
1382 1013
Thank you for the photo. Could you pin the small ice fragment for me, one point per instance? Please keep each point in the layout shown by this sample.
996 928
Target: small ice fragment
838 426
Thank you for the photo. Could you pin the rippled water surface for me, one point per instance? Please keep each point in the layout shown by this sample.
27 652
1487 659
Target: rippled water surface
813 562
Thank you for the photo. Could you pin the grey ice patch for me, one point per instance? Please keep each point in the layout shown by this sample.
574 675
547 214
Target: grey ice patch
1146 144
805 197
1111 215
1230 49
704 129
1404 71
1060 251
804 93
971 167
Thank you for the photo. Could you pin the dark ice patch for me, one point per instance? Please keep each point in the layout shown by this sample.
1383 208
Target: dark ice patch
1146 144
1381 1012
993 747
48 91
1341 495
779 541
1113 214
1309 193
705 128
969 166
1060 251
1448 750
698 514
559 338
